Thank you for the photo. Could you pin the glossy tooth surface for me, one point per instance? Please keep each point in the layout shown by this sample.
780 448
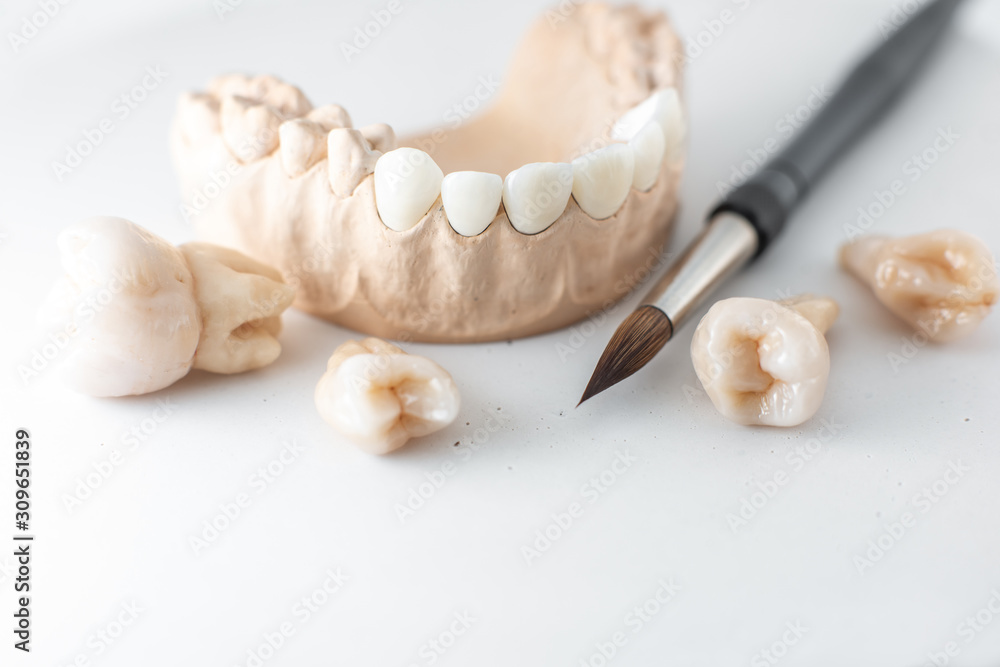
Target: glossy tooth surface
198 115
648 148
664 107
349 160
943 283
330 116
241 301
381 136
379 397
144 336
602 180
303 144
249 129
471 200
764 362
535 195
407 183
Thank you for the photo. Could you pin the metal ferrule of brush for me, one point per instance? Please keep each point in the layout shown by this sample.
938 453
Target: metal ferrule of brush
728 242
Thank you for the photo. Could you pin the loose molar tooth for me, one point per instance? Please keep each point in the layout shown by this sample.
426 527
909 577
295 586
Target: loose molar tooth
407 183
349 160
943 283
303 144
330 116
249 129
471 200
764 362
648 148
663 106
198 116
535 195
602 180
381 136
379 397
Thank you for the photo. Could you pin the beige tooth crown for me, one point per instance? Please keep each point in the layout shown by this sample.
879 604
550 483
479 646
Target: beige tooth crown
943 283
415 276
764 362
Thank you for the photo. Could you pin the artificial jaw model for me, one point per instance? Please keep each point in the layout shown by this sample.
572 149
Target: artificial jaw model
526 219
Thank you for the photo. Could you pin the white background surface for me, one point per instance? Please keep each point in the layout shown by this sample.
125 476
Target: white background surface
665 518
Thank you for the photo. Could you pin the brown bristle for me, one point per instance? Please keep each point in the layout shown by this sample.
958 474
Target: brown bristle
635 343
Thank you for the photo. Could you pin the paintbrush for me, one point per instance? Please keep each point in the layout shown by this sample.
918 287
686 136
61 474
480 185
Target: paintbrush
751 216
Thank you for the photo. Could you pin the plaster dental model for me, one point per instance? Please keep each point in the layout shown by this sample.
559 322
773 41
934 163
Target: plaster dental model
522 220
379 397
943 283
765 362
141 313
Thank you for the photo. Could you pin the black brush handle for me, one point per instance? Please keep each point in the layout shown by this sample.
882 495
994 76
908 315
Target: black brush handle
767 198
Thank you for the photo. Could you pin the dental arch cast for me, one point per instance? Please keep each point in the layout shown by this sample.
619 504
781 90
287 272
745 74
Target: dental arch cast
165 309
388 209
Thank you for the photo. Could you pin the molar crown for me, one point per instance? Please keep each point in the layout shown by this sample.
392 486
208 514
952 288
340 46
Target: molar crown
167 309
943 283
763 362
379 397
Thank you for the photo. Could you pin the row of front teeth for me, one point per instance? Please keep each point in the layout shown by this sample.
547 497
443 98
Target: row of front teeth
408 182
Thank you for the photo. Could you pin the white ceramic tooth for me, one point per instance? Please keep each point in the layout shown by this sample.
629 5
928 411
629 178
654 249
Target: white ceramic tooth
471 200
250 129
535 195
407 183
198 116
602 180
303 144
381 136
663 106
648 148
330 116
349 160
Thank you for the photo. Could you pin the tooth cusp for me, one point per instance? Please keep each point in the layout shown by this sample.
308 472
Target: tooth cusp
250 129
303 145
764 362
380 397
349 160
407 183
943 283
